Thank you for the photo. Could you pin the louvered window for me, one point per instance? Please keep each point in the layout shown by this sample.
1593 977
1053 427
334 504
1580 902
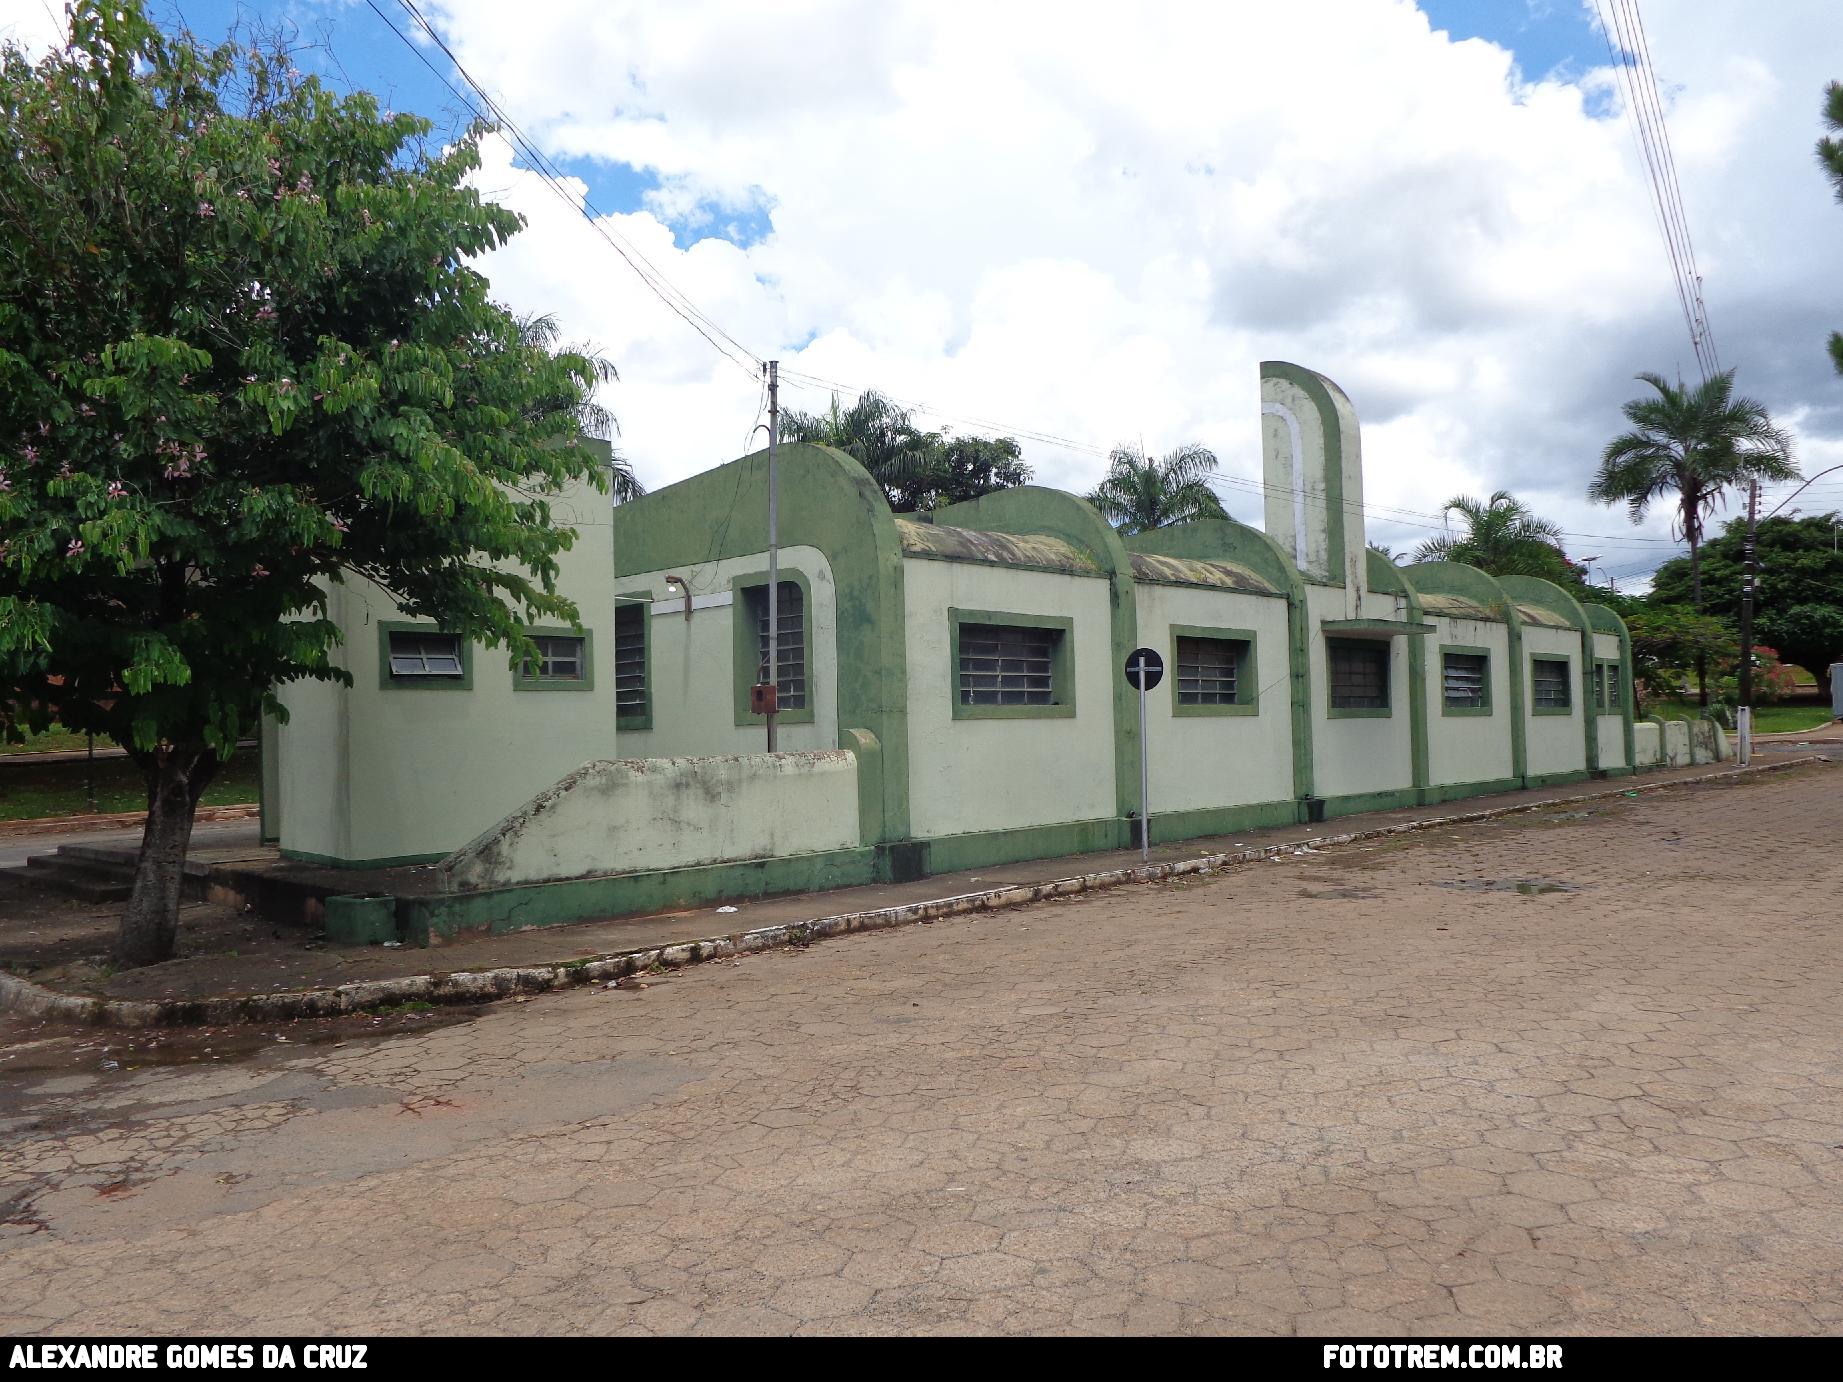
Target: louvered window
1002 664
791 664
1548 677
630 659
1209 670
1462 679
1359 674
415 655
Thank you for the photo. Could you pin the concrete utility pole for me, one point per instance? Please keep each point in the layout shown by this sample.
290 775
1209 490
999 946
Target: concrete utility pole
1743 715
774 549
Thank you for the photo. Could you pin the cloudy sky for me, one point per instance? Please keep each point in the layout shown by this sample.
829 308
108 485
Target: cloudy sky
1090 222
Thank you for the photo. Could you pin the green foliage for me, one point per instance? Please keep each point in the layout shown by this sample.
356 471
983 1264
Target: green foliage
1798 591
1500 535
1667 643
1141 492
242 354
919 471
1830 159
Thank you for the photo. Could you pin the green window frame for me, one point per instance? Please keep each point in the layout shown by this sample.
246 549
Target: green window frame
1350 667
749 596
1058 653
1551 692
1608 686
633 660
558 648
409 635
1240 645
1459 677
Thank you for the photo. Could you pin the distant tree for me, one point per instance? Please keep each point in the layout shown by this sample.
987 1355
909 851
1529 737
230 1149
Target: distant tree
918 470
1799 589
541 331
242 353
1688 445
1668 643
1385 552
1140 492
1502 537
1830 159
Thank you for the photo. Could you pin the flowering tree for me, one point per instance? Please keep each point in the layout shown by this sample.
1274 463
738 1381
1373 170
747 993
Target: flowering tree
241 354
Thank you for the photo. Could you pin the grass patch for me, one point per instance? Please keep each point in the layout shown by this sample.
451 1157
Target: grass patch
29 791
1767 719
57 739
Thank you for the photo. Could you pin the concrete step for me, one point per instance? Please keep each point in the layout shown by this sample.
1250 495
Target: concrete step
84 879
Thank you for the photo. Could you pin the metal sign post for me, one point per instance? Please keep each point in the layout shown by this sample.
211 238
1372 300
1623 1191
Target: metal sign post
1144 669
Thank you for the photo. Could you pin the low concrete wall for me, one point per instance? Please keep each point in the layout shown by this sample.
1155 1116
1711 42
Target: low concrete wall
1676 743
627 814
1648 744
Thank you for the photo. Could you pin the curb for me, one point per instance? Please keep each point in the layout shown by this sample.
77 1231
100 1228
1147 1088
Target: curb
121 820
33 1000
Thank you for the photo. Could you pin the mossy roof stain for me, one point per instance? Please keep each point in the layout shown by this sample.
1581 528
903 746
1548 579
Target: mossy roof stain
1221 575
1548 618
1457 607
1034 550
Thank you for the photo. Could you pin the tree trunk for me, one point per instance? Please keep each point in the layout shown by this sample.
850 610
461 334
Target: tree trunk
177 776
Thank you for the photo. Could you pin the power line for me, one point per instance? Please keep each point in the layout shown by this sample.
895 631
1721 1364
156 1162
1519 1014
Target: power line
551 176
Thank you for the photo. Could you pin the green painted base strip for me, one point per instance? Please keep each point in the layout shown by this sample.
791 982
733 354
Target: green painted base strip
1458 791
1556 779
401 861
1221 820
498 910
1355 803
951 853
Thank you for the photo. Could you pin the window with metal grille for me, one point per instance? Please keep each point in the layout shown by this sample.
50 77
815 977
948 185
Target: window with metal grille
1462 680
790 665
630 659
1606 695
1209 670
415 654
1359 674
1003 664
1548 678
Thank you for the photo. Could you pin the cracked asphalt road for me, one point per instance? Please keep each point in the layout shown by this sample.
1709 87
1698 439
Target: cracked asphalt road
1372 1090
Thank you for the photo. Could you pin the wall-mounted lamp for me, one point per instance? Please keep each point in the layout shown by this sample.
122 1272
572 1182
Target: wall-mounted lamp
684 588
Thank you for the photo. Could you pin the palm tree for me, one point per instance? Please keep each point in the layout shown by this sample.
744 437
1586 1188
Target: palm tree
1690 444
595 420
1140 493
1500 536
874 432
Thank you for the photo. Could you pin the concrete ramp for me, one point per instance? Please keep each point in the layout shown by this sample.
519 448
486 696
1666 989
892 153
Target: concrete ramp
625 815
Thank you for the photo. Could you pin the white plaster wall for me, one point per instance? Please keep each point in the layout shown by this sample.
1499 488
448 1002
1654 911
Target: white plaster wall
1469 748
1359 755
624 815
693 661
1610 728
390 773
1556 743
1647 744
1203 761
974 775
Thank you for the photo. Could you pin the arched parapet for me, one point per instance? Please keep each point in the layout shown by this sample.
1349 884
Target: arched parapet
826 501
1226 540
1036 509
1313 465
1544 604
1608 621
1454 590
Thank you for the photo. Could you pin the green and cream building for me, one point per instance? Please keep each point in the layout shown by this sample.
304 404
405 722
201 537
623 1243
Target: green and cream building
951 690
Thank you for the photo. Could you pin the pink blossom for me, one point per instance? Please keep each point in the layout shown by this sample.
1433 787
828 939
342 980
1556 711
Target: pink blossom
265 313
340 526
207 210
5 484
259 570
30 453
75 549
117 490
86 410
